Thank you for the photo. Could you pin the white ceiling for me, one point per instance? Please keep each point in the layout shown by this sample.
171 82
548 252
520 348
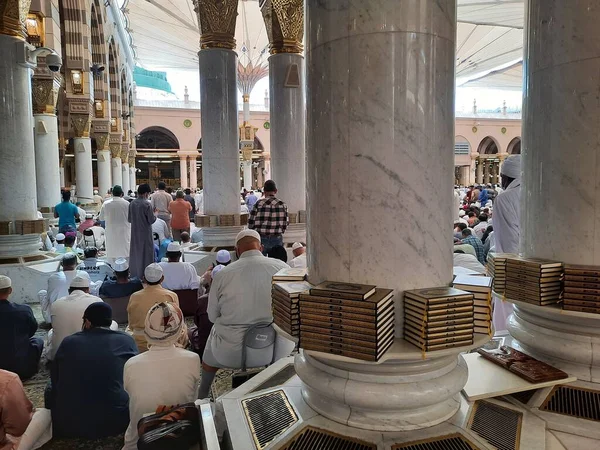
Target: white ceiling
165 35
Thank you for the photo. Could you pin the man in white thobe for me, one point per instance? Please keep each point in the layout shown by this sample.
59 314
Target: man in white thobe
161 229
299 252
118 229
199 199
507 213
178 275
67 312
240 296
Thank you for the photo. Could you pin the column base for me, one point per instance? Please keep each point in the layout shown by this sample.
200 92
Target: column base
220 236
393 396
568 340
15 245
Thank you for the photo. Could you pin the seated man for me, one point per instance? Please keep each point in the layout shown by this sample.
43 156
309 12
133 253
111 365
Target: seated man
185 239
85 393
94 236
70 246
199 333
299 252
16 410
140 303
161 228
232 313
164 375
121 285
178 275
98 270
20 351
87 223
67 312
58 284
59 244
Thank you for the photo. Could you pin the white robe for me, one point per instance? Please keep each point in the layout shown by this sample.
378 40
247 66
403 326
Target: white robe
199 199
118 228
507 212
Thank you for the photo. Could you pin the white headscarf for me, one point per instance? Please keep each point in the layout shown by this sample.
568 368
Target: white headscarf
163 324
512 167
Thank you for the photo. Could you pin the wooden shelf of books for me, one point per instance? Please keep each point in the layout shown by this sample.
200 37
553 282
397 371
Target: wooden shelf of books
349 322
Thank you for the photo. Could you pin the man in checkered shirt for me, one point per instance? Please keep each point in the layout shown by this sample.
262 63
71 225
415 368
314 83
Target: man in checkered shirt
269 218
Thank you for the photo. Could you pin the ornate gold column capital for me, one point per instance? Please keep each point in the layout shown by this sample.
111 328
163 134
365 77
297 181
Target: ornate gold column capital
246 98
44 94
131 159
284 20
12 17
115 150
80 123
217 22
101 141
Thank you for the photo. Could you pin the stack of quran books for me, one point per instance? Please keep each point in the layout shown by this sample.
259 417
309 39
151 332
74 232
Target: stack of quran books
290 274
481 288
533 280
347 319
496 268
285 305
582 288
438 318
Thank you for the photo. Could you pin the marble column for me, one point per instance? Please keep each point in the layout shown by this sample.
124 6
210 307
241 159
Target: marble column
494 179
82 146
193 173
103 163
132 171
561 166
116 163
247 174
183 170
464 175
125 167
479 171
44 86
17 167
486 171
288 109
218 102
380 117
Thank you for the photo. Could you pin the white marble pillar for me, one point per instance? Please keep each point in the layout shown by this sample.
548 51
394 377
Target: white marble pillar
62 176
125 176
116 164
380 117
561 170
132 178
479 171
104 171
220 134
288 118
17 156
47 175
193 173
247 174
183 171
83 169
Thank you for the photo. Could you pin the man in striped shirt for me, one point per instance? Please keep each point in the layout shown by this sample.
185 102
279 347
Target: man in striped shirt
269 218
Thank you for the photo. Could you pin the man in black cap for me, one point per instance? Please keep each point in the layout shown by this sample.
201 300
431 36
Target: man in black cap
86 394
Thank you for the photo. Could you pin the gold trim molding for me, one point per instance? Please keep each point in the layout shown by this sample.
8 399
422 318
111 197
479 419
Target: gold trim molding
12 17
284 20
217 23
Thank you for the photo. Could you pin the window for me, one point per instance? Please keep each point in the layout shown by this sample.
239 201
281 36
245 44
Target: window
461 148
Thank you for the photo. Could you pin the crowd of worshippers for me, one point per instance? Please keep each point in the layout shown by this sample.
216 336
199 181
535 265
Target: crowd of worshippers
102 380
487 218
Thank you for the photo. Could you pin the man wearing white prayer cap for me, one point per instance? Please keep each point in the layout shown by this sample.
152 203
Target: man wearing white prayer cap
299 252
178 275
223 257
121 285
60 243
507 212
165 374
231 313
140 303
67 312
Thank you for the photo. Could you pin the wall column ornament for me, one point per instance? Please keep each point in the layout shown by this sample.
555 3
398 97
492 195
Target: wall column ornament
12 17
80 124
115 150
44 94
284 21
217 22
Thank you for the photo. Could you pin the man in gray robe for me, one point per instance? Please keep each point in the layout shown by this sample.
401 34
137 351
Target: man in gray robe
141 217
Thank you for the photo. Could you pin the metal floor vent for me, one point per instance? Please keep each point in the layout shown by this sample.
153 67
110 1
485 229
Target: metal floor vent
312 438
500 426
268 416
524 396
573 401
450 442
277 379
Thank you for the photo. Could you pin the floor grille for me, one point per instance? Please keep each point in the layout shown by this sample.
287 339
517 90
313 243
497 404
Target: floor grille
451 442
499 426
268 416
277 379
312 438
573 401
524 396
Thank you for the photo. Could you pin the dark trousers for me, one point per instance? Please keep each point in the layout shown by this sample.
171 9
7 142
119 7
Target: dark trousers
269 242
27 366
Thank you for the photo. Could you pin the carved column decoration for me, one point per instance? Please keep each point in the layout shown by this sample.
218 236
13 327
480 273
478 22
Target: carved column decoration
12 17
62 151
131 159
115 150
284 20
101 141
81 125
217 22
44 94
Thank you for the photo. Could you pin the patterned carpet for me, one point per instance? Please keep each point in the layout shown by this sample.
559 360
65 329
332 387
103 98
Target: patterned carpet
34 388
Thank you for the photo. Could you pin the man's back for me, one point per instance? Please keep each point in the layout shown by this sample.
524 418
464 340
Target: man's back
475 242
58 284
240 296
88 399
16 410
67 316
111 288
160 376
506 219
160 227
160 200
97 270
269 217
179 275
115 211
17 325
66 214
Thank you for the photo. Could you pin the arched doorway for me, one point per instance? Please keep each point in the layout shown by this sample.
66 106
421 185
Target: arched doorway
488 146
487 165
514 147
156 137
